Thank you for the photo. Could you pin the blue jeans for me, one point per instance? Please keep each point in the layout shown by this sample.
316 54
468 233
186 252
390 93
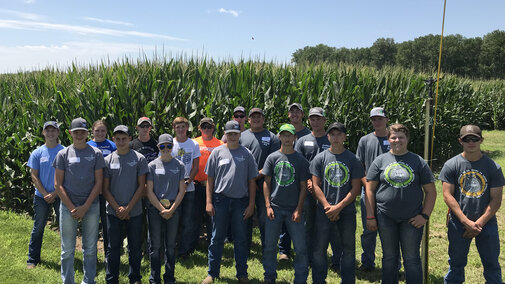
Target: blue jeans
395 234
368 238
284 241
41 209
162 230
488 245
103 221
115 229
297 230
309 210
260 214
343 231
228 210
187 224
68 232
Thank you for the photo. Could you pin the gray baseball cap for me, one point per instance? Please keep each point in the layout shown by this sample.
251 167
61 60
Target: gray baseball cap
256 110
144 119
232 126
121 129
316 111
165 139
78 124
239 108
297 105
51 123
378 111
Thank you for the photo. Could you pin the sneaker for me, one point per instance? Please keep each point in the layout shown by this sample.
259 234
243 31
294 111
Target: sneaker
283 256
209 279
364 268
30 266
243 280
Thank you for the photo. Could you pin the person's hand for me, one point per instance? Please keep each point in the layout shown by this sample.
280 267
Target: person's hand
371 225
417 221
78 212
123 213
50 197
297 216
472 229
309 186
248 212
270 213
209 208
332 212
166 214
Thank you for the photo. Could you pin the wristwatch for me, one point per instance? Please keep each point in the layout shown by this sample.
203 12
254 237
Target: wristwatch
425 216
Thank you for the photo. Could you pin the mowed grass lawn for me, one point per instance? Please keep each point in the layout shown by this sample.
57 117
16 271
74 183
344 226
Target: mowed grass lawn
15 235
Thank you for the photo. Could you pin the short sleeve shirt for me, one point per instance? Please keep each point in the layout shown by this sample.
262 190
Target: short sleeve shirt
261 144
186 152
231 169
303 132
370 147
287 171
473 181
149 149
399 194
41 160
79 166
309 146
106 146
166 177
123 172
336 172
206 147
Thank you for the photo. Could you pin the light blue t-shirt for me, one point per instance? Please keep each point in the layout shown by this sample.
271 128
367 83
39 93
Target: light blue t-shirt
106 146
42 159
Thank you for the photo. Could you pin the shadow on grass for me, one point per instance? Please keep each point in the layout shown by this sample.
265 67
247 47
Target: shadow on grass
494 154
50 264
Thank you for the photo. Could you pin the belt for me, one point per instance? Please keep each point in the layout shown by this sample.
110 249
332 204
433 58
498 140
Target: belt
202 183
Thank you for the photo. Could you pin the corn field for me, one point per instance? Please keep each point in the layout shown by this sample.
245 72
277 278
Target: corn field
162 89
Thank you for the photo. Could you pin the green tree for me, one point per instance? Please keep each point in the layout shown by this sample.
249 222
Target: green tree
383 52
314 54
492 55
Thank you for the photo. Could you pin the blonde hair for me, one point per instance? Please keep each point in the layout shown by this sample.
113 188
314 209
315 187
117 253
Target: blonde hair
180 119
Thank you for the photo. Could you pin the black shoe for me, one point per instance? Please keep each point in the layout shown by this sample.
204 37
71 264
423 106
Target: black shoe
364 268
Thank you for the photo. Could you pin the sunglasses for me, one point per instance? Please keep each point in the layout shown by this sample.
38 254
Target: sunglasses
169 146
239 115
206 126
144 126
471 139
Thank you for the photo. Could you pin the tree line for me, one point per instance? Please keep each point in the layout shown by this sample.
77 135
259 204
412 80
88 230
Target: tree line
482 58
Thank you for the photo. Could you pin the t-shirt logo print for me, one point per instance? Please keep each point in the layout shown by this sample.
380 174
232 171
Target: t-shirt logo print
336 174
284 173
399 174
473 183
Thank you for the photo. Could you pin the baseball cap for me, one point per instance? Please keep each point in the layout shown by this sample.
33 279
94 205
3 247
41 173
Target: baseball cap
232 126
239 108
470 129
336 125
287 127
142 119
50 123
297 105
165 139
207 120
256 110
78 124
122 129
378 111
316 111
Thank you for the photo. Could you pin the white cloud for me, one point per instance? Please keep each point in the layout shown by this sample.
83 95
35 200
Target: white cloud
22 15
234 13
41 26
29 1
106 21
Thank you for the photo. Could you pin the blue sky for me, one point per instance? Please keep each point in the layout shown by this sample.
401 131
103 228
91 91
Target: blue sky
37 33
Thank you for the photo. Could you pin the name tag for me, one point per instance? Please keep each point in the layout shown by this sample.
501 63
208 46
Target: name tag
308 143
224 162
74 160
115 166
160 171
44 159
266 138
386 142
106 152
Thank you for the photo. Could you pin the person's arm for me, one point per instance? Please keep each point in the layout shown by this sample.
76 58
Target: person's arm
319 195
430 195
267 184
348 199
471 228
194 169
108 196
297 214
139 192
492 207
249 211
152 197
370 187
48 197
59 176
168 213
80 211
209 207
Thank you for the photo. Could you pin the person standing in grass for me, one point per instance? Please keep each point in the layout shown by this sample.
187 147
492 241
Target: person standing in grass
124 181
42 173
188 152
165 191
472 184
100 141
370 147
231 190
78 181
336 177
207 143
400 196
285 187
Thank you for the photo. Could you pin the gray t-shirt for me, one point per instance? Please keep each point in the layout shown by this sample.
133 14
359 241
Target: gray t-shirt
261 144
303 132
79 166
370 147
473 181
336 172
123 172
166 177
231 170
399 194
309 146
286 171
186 152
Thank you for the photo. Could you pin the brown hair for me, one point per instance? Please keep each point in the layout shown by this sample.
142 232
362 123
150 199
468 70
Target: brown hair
98 122
180 119
398 127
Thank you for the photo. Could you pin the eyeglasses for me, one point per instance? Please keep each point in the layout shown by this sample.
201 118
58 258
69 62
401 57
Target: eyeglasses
169 146
206 126
144 126
239 115
471 139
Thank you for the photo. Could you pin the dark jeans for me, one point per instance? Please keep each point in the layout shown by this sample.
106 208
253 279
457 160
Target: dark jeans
187 224
103 222
201 216
41 209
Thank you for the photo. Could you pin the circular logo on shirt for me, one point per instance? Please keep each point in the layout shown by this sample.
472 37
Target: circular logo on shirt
284 173
473 183
336 174
399 174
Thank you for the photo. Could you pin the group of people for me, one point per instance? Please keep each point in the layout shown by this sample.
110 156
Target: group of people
299 184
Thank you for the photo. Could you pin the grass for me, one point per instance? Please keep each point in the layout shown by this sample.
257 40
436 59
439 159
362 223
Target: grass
15 235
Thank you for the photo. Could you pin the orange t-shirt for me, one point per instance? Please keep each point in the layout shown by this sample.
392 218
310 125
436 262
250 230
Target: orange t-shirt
205 148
